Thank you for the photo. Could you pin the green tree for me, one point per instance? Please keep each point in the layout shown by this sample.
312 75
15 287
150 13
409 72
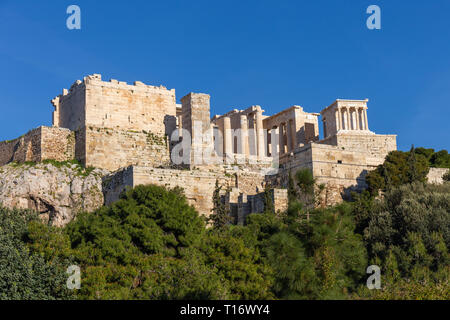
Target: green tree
412 164
152 245
120 247
241 267
398 168
269 206
25 275
292 192
220 216
440 159
407 234
427 153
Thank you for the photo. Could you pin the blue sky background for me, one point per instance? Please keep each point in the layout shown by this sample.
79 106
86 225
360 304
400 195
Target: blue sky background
272 53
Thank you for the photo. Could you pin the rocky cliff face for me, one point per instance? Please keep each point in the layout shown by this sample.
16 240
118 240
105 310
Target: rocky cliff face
58 191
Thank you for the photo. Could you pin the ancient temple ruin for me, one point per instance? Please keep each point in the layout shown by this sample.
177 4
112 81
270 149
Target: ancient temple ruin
142 135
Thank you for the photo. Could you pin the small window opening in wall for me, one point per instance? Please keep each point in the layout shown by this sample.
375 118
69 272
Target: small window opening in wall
340 161
106 116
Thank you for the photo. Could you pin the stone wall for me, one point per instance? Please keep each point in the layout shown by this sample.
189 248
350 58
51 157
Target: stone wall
24 148
40 144
116 104
435 175
341 170
57 144
198 185
240 205
112 149
70 107
375 145
300 127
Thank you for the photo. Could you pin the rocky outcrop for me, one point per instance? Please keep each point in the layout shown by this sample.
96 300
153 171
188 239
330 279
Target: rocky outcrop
58 191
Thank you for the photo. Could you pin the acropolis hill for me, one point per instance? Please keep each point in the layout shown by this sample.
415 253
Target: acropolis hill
140 135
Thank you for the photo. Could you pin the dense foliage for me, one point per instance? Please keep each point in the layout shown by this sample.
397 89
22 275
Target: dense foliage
399 168
406 167
152 245
24 274
440 159
408 235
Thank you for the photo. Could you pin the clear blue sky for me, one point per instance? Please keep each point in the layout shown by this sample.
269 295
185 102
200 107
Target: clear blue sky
272 53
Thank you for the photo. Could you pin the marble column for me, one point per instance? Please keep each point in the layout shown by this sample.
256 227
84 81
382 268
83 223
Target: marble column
338 127
244 135
289 136
344 119
273 141
358 127
259 134
349 127
227 139
365 120
281 131
294 135
354 127
341 127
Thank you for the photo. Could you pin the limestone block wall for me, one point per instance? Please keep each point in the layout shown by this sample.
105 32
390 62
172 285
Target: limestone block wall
116 104
115 183
57 144
301 127
196 120
195 107
24 148
250 183
198 185
112 149
435 175
70 107
39 144
376 145
341 170
241 205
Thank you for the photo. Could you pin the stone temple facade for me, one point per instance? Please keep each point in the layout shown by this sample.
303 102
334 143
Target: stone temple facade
142 136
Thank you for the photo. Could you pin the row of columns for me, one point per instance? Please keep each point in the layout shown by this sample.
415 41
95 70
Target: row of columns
248 136
287 140
351 118
283 133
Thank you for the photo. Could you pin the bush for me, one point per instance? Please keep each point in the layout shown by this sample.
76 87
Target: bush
446 176
398 168
407 234
152 245
25 275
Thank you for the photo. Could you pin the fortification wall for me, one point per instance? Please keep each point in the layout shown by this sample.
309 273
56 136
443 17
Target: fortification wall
130 107
116 104
57 144
70 107
376 145
341 170
198 185
39 144
24 148
112 149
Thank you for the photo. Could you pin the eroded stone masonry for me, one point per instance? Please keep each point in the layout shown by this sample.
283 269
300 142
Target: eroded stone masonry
139 134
